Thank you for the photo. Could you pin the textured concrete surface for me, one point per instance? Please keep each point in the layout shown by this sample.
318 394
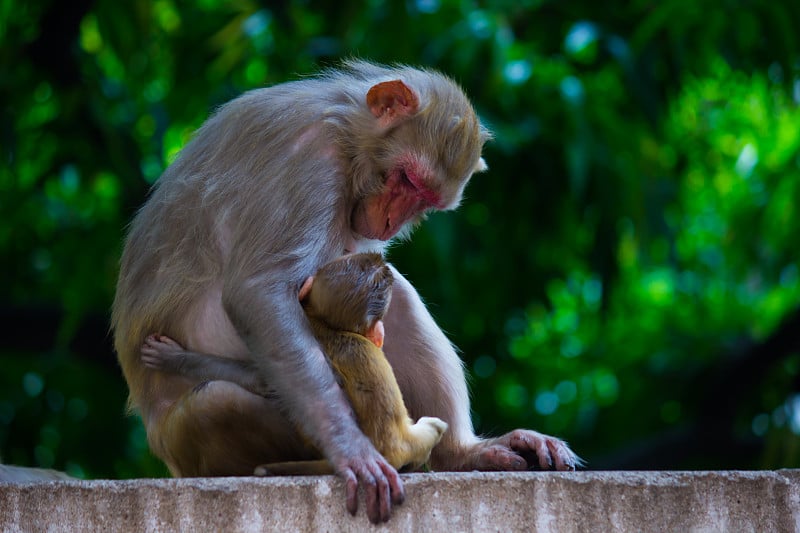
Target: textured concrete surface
536 501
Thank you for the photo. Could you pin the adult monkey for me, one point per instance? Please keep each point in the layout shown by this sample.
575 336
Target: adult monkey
275 184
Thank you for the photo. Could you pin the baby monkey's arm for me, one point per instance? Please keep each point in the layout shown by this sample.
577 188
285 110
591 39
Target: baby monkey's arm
160 352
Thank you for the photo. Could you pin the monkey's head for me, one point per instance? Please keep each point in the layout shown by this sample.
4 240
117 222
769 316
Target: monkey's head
420 145
351 293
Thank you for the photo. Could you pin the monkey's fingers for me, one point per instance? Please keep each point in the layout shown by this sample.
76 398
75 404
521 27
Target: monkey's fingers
151 361
396 488
351 491
150 352
566 459
382 487
378 500
148 348
497 457
162 343
375 493
552 453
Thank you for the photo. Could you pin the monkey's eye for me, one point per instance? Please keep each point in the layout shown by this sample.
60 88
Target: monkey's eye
406 180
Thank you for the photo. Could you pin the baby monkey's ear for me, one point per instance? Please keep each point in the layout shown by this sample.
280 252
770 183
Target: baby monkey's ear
376 334
306 288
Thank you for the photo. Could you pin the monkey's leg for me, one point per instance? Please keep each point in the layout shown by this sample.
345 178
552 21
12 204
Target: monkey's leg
421 439
428 431
220 429
429 373
431 378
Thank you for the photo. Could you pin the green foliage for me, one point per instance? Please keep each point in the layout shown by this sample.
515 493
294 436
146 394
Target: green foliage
714 262
631 249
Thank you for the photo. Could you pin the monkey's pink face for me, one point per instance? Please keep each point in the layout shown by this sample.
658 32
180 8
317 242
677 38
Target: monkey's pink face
428 160
405 197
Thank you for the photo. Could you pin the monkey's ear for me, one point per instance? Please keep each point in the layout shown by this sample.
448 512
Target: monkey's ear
376 333
306 288
390 101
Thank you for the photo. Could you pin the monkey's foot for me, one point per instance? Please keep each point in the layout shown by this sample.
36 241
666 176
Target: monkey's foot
435 426
161 352
523 449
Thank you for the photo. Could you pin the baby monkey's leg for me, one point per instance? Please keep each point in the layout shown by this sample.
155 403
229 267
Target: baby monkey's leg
423 436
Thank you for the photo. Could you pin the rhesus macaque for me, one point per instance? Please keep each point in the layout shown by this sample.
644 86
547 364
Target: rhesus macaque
275 184
345 302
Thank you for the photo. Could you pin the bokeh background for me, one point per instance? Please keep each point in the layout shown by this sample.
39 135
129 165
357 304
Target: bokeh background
626 275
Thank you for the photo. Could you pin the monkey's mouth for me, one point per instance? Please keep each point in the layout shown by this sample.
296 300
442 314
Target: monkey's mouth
376 223
389 230
384 214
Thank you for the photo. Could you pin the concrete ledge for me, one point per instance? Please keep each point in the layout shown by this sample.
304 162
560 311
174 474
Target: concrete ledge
535 501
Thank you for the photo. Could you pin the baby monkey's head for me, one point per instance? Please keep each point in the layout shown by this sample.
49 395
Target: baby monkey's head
351 293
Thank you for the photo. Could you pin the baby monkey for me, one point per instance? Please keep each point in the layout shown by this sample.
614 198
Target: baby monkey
345 302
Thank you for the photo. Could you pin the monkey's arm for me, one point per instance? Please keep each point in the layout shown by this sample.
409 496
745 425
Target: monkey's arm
288 357
160 352
415 346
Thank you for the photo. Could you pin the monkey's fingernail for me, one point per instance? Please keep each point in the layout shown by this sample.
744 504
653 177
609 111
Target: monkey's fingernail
260 471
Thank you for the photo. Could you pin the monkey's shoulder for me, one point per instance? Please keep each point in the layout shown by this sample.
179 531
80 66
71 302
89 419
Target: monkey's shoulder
347 346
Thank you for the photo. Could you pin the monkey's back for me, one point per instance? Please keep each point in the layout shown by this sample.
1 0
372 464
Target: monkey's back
208 206
369 382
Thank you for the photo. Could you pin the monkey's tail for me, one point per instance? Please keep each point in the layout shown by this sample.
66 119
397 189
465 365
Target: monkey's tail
295 468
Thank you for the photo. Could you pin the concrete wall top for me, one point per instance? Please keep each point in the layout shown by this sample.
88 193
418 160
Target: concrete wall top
532 501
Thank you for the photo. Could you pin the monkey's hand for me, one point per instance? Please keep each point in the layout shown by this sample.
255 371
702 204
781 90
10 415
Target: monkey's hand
381 482
523 449
159 352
